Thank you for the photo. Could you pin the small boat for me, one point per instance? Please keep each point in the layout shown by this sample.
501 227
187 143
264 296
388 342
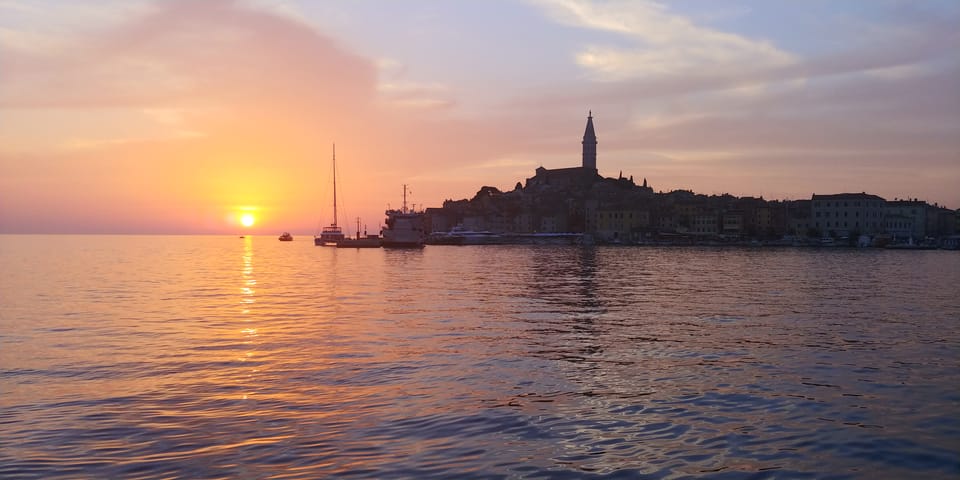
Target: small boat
366 241
286 237
331 235
405 227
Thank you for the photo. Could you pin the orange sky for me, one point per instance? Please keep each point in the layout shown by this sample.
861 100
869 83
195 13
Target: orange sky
177 117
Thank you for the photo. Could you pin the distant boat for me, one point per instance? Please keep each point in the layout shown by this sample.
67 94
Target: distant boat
332 234
405 227
366 241
286 237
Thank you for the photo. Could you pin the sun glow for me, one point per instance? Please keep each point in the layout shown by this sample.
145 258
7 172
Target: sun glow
247 220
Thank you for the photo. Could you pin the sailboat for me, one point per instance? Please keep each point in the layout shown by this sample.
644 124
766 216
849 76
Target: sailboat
331 235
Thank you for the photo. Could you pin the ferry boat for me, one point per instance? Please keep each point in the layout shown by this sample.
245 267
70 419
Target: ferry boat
405 227
331 235
286 237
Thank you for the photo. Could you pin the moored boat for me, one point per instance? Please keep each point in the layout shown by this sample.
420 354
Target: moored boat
366 241
331 235
286 237
460 236
405 227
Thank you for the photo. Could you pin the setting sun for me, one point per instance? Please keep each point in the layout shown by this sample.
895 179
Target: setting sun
247 220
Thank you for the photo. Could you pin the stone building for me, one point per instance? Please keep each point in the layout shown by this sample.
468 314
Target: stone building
846 214
905 219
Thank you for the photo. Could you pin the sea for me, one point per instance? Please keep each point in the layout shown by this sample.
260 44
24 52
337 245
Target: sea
223 357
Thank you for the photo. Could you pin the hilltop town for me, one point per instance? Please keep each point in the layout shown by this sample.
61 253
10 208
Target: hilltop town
617 210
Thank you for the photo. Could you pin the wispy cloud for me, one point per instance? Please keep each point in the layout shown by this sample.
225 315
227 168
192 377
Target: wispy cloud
395 89
662 43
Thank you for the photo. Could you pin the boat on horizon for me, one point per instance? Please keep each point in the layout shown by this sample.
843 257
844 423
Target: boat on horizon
405 227
286 237
332 234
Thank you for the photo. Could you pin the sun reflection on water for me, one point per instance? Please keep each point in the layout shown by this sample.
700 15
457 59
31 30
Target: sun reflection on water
247 291
248 281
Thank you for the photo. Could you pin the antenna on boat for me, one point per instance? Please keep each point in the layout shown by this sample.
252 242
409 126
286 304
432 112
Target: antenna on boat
404 198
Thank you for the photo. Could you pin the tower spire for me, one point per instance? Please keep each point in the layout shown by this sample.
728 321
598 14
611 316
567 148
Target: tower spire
589 145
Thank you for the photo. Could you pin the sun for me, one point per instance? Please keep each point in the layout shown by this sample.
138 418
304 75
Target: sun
247 220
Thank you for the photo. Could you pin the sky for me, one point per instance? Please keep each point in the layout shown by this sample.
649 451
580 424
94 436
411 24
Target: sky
174 116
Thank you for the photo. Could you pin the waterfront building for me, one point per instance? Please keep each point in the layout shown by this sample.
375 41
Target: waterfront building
524 222
904 219
667 222
733 224
439 219
705 225
757 216
621 223
777 211
553 224
798 218
846 214
941 221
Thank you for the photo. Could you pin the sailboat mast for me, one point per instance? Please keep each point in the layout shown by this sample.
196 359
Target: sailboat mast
334 184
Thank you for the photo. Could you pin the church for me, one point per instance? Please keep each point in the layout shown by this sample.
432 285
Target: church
583 175
559 200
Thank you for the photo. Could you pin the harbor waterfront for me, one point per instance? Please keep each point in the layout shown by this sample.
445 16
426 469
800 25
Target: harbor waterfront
226 357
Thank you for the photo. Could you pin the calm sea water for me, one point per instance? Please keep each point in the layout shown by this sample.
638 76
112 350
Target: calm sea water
220 357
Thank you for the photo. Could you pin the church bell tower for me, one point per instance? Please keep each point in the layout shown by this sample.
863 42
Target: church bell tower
589 145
